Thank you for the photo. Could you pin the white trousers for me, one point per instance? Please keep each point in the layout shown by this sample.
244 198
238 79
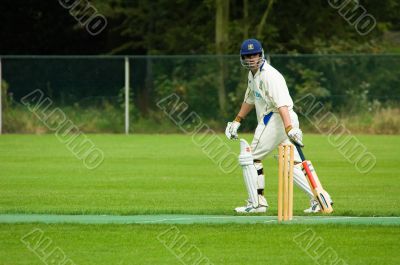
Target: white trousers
270 132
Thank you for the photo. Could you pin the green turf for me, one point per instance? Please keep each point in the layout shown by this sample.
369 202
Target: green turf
228 244
164 174
158 174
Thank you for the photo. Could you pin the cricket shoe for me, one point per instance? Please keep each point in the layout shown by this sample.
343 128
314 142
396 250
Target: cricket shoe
261 208
315 208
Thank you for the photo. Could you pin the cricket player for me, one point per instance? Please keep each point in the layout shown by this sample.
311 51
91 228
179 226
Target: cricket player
277 123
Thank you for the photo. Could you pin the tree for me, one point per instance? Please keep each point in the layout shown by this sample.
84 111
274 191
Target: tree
221 43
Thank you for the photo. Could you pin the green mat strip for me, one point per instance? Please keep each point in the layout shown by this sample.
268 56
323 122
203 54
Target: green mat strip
191 219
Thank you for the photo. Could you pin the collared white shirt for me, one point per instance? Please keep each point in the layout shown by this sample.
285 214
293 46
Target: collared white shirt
267 90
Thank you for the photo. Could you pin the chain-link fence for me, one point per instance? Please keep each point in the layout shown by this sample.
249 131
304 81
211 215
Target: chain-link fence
90 90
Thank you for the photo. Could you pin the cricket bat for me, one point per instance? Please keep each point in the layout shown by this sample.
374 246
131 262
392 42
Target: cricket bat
320 194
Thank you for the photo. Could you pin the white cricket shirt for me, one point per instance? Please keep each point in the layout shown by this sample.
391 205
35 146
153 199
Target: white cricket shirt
267 90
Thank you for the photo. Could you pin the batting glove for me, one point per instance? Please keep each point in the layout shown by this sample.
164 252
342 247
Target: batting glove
231 130
295 135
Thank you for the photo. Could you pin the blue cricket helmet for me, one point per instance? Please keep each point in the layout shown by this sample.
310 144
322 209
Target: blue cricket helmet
251 46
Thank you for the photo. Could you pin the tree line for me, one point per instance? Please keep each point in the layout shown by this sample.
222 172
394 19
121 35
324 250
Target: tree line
139 27
194 27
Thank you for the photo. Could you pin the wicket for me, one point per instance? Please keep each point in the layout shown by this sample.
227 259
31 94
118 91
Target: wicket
285 182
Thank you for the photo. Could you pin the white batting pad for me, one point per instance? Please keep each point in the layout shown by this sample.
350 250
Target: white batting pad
249 171
260 178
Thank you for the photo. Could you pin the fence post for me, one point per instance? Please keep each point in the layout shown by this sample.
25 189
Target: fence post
126 95
1 100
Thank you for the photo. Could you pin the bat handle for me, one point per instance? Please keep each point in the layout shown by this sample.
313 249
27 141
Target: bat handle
298 147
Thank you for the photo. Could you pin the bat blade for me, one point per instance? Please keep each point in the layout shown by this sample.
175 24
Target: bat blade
320 194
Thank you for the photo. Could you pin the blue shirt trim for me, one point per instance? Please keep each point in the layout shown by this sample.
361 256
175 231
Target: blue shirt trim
267 118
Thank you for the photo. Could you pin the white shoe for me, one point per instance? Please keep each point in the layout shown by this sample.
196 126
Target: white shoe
315 208
261 208
251 209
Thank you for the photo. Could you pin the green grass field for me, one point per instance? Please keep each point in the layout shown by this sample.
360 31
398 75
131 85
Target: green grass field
169 174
